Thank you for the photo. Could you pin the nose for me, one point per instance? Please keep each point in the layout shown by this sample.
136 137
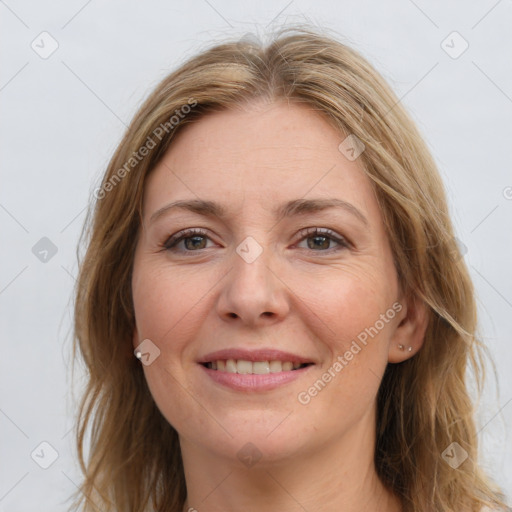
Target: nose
253 293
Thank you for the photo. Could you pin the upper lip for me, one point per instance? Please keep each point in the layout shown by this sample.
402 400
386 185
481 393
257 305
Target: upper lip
264 354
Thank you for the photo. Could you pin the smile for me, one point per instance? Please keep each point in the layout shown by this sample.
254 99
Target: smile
244 367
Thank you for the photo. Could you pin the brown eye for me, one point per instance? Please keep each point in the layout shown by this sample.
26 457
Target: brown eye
193 239
194 242
319 240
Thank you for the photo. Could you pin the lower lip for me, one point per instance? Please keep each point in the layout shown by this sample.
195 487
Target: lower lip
252 382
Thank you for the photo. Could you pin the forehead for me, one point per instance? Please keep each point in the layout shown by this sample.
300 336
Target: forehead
257 157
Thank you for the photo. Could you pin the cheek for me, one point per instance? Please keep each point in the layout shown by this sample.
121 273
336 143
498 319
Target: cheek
360 322
164 301
357 321
348 300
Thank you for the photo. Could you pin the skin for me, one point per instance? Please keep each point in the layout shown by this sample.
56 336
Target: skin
300 295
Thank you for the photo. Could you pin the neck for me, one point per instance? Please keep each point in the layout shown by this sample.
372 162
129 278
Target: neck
338 475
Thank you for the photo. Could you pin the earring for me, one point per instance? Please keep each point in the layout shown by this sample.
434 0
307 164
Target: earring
410 349
401 347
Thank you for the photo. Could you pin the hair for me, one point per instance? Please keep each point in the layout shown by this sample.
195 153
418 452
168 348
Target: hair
423 403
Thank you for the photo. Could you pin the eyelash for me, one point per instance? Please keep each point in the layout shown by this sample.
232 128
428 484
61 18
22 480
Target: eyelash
172 241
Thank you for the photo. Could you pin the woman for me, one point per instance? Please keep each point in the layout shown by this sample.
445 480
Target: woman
272 307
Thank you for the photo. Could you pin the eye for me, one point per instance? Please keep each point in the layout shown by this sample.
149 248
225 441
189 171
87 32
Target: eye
196 239
321 238
193 238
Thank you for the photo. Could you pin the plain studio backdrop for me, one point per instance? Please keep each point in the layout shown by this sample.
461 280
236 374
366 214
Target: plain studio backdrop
72 76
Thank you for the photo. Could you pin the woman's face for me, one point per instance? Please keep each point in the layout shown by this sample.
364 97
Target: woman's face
255 293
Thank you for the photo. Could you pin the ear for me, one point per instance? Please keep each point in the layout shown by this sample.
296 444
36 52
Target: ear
410 331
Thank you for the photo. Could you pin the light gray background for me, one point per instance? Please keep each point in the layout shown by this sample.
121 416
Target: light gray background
62 117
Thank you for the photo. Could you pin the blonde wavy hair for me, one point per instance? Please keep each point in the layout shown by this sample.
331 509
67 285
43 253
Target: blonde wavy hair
424 404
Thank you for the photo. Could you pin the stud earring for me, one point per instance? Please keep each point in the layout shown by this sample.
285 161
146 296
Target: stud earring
401 347
410 349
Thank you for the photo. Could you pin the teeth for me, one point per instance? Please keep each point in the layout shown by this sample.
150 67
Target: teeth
243 366
231 366
261 367
249 367
276 366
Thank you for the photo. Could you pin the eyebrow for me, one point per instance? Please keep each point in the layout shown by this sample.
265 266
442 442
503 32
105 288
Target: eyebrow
289 209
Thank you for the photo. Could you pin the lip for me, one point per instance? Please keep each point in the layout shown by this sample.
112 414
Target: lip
264 354
253 382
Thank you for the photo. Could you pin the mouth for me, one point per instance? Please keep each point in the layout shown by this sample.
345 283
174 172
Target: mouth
260 370
245 367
